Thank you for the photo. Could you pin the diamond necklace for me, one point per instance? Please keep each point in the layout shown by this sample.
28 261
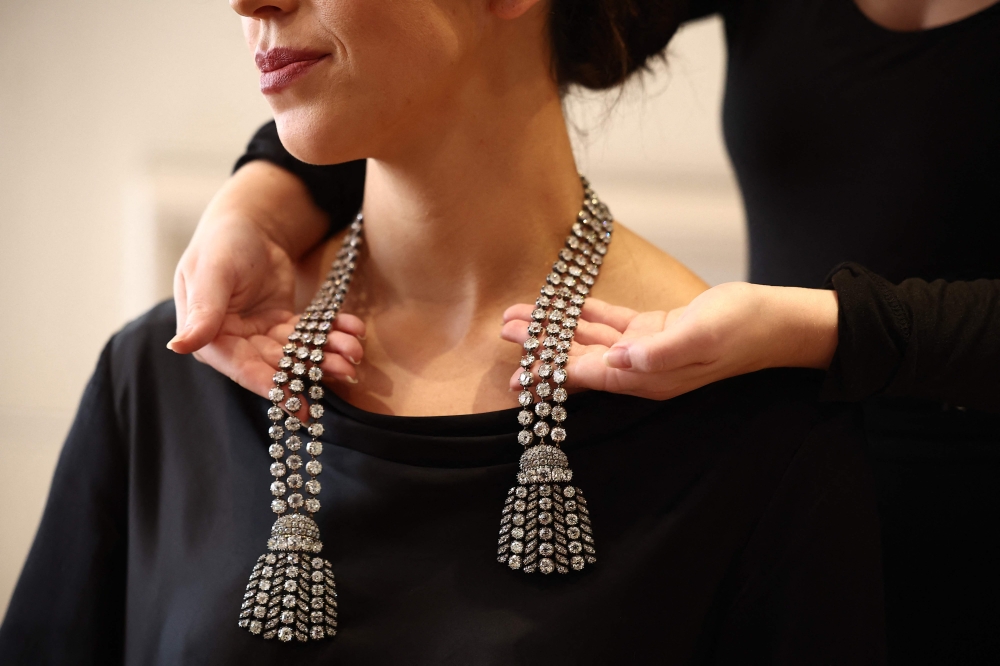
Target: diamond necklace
545 525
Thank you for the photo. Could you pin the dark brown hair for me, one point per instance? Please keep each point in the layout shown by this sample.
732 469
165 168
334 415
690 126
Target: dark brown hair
600 43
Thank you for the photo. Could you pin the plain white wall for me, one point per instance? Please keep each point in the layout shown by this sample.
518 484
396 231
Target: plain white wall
119 118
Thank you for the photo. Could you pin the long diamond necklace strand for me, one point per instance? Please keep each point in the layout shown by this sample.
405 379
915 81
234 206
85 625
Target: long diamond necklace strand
545 524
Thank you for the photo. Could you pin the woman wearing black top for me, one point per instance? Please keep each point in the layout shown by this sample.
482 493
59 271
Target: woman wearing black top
733 525
863 132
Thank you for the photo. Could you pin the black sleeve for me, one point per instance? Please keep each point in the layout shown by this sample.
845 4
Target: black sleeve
337 189
935 340
69 603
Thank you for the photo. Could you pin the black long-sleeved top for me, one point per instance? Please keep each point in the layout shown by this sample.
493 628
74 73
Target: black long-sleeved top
734 525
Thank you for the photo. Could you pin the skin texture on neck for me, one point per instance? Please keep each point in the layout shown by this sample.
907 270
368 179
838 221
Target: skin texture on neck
916 15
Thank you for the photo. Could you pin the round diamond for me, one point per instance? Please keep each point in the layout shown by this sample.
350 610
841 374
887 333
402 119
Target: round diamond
576 562
545 490
559 414
571 518
313 487
294 462
524 417
543 390
526 378
316 430
543 409
317 576
314 467
517 533
545 533
518 519
293 423
293 404
295 500
259 611
545 504
575 547
299 369
314 448
277 489
524 437
516 547
541 428
277 469
316 392
295 481
569 491
312 505
296 386
316 411
558 435
276 432
276 395
275 413
278 506
544 370
293 443
276 451
285 634
315 374
521 492
520 505
544 517
570 505
514 562
573 533
256 626
546 566
291 585
524 398
545 549
559 376
317 632
560 395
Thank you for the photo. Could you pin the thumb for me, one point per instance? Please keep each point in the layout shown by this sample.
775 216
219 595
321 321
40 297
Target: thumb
658 352
202 301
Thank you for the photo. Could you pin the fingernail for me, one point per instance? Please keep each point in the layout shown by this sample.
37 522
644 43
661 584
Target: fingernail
362 337
618 357
351 359
349 379
170 345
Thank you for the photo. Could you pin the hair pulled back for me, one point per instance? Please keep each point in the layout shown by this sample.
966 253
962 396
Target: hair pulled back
598 44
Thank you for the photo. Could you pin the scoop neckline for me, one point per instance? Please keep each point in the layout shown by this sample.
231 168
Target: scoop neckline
477 440
958 24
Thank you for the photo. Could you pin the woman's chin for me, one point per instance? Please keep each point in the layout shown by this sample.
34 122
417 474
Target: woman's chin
318 142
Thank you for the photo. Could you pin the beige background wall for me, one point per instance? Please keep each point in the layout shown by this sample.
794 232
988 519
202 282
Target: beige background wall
118 119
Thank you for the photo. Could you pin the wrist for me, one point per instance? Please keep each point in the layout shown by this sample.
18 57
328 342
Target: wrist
804 326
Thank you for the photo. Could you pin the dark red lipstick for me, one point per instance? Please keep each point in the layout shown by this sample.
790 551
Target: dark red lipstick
279 67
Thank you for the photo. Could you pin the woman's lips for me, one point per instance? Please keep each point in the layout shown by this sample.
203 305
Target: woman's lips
279 67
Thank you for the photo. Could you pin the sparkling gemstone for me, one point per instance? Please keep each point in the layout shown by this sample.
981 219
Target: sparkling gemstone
571 518
569 491
543 409
545 518
313 487
527 360
558 435
287 617
293 443
559 414
314 448
277 489
524 417
270 558
575 547
515 547
316 411
316 430
520 505
285 363
534 328
276 451
259 611
275 413
526 378
524 398
319 339
518 519
278 506
255 627
576 562
277 469
276 395
314 467
541 428
538 314
317 576
285 634
523 438
573 533
293 404
293 423
316 392
530 344
545 504
296 386
570 505
521 492
545 549
543 390
295 481
261 598
312 505
545 533
316 356
544 370
302 352
276 432
546 566
551 341
559 376
315 374
517 533
560 395
291 585
317 563
546 355
299 369
295 500
552 329
514 562
545 490
294 462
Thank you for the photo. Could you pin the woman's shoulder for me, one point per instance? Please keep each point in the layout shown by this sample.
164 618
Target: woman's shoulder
638 275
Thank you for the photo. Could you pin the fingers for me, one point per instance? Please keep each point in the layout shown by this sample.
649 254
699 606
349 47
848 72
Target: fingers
239 359
202 298
672 348
599 312
515 329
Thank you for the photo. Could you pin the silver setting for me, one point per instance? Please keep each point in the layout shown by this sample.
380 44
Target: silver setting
545 524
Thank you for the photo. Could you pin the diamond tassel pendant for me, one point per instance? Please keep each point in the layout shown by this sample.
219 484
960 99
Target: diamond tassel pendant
291 593
545 525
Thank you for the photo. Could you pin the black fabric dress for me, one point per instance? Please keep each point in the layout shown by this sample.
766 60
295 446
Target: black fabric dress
853 143
734 525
